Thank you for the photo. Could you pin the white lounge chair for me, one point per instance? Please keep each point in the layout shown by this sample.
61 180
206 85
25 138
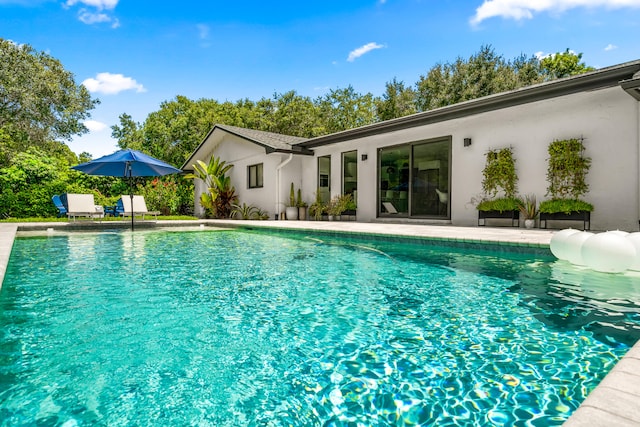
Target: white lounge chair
82 205
139 207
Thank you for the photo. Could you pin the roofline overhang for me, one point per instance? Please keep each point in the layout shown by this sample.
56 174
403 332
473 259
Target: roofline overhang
632 86
599 79
295 149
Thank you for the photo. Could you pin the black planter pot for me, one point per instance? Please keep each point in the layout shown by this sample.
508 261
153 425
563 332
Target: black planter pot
513 215
584 216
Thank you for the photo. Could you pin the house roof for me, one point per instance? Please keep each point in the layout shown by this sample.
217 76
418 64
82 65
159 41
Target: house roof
272 142
625 75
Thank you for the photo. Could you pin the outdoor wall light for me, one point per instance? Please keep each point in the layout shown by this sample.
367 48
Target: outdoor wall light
364 157
467 142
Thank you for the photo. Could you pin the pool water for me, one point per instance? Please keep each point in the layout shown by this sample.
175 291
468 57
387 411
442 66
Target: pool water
247 328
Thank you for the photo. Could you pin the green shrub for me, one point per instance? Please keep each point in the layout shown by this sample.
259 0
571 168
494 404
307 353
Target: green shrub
565 206
501 205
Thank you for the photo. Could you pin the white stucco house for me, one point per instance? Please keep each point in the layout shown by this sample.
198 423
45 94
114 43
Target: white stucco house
427 167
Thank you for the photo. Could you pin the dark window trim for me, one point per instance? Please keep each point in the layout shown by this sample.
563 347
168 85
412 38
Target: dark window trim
445 138
259 180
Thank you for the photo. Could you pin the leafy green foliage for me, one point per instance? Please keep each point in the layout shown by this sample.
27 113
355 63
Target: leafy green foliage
343 109
39 100
528 206
563 64
339 204
565 206
317 208
170 195
221 194
484 73
245 211
499 173
567 169
501 204
397 101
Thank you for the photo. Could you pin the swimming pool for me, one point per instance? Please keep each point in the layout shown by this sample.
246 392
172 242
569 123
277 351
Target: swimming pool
251 328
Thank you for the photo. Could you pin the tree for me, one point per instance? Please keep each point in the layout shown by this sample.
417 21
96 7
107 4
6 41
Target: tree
486 73
39 99
563 64
397 101
129 134
295 115
344 109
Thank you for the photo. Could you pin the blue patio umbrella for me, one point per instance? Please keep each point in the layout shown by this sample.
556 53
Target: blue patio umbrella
127 164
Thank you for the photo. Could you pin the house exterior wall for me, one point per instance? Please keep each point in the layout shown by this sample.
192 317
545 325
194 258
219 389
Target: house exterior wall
607 119
242 154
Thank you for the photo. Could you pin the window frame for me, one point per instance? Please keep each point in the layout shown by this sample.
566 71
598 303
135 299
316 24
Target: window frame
259 175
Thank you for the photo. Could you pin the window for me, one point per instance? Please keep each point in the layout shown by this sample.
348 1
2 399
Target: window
324 178
254 172
350 173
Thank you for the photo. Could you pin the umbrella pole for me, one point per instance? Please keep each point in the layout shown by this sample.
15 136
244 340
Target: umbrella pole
132 213
131 194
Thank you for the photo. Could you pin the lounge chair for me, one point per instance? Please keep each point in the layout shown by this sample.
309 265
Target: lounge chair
81 205
62 210
388 206
123 208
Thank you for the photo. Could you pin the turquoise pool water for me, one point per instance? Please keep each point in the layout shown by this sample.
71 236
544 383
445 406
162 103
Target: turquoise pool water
244 328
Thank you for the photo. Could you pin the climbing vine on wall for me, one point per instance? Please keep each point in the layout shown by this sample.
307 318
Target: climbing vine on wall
499 173
567 169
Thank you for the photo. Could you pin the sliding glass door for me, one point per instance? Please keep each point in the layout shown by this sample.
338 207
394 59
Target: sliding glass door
394 180
413 179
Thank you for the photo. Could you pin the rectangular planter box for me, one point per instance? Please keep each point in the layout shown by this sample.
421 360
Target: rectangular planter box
584 216
514 216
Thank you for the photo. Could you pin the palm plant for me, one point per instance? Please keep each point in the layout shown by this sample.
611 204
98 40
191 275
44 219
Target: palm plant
221 194
245 211
528 207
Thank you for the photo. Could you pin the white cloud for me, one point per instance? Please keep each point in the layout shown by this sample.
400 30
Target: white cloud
98 4
95 18
95 11
610 47
525 9
94 125
357 53
111 84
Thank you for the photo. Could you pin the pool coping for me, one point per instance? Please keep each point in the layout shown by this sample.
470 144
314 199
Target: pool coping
615 401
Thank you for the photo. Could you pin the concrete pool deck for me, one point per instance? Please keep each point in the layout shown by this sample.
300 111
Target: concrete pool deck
616 400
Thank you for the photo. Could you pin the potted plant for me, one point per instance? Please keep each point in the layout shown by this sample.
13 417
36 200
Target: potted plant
566 174
337 206
499 186
291 211
302 206
528 209
350 206
317 208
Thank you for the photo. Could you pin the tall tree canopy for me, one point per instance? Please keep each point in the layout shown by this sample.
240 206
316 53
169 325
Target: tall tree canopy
484 73
39 100
397 101
563 64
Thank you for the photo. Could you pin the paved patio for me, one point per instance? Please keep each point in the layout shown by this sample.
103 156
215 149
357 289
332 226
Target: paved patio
615 402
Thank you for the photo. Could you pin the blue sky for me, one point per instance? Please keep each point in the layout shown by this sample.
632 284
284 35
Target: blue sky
135 54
